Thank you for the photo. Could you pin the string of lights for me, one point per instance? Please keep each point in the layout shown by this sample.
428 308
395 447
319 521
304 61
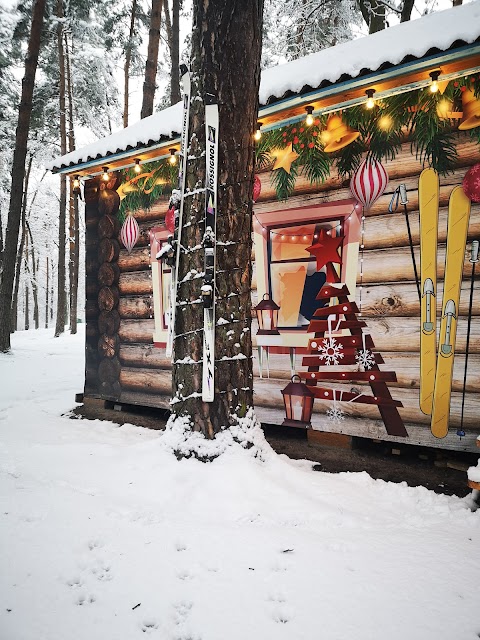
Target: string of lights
294 236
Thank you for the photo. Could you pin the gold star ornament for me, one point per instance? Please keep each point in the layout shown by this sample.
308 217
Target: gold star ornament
284 158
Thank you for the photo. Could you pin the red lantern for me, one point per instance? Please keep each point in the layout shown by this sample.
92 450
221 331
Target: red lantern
471 183
369 182
267 316
298 400
129 233
170 220
257 188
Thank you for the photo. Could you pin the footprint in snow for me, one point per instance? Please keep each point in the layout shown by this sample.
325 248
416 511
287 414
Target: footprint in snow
184 575
281 616
277 596
181 611
75 582
95 544
180 546
102 573
149 625
84 599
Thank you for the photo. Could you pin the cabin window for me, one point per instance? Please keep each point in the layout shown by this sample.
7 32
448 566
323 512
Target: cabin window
293 277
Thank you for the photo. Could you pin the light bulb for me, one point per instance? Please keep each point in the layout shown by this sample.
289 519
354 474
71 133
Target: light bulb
434 75
137 168
370 99
309 118
76 182
173 157
258 134
105 176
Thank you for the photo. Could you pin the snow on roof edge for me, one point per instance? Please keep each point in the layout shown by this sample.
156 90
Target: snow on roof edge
439 30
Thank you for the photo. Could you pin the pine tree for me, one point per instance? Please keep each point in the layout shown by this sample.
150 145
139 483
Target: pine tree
222 66
18 171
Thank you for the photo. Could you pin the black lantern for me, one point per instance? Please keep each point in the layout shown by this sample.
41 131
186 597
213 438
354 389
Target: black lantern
267 315
298 400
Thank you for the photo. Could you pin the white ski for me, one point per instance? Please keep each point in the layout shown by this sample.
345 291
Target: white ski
209 242
182 176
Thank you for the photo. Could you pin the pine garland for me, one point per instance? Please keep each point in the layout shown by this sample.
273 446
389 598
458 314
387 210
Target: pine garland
141 191
414 116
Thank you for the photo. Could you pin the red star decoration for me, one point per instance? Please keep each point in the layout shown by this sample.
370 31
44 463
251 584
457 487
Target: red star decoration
325 251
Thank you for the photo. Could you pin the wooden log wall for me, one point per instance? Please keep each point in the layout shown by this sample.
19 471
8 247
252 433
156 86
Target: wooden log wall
91 287
390 307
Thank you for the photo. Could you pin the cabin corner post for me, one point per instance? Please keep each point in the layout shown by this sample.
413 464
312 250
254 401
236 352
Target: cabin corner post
108 275
92 216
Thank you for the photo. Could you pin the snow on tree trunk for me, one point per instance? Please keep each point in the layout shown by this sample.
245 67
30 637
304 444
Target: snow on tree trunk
226 50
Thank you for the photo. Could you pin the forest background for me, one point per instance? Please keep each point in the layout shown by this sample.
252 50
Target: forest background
101 67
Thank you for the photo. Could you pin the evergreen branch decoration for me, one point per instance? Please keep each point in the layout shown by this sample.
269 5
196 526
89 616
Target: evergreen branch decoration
141 191
414 115
284 182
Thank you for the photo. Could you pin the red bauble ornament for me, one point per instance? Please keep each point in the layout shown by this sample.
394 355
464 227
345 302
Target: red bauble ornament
471 183
129 233
170 220
257 188
369 182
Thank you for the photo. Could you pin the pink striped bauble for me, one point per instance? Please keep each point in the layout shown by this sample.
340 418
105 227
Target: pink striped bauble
369 182
129 233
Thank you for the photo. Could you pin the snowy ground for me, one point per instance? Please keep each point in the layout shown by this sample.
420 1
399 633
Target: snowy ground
105 535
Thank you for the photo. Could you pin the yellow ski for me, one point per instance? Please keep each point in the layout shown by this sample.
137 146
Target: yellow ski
428 188
458 217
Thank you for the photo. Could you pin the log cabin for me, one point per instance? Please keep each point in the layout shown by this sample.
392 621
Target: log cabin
364 195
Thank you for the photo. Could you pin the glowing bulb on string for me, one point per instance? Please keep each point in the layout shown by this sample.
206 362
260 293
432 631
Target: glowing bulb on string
173 157
137 168
434 84
105 176
370 99
258 134
309 118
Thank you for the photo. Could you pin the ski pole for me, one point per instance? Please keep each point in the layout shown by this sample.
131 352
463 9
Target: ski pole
473 259
401 193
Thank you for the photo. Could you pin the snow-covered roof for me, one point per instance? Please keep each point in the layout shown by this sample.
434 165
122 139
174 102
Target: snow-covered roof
408 41
416 38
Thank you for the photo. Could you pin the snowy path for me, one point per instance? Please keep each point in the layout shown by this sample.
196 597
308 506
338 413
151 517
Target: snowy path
105 535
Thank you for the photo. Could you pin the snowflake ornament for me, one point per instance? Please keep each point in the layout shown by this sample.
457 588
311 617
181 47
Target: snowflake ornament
365 358
331 351
335 414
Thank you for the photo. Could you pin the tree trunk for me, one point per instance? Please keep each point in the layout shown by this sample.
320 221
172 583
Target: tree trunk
126 66
152 59
36 318
18 264
1 246
374 14
61 293
168 24
223 66
74 232
27 311
457 3
175 54
46 293
407 10
18 172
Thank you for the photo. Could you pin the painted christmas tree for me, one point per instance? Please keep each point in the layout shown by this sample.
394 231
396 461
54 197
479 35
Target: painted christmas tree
329 349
